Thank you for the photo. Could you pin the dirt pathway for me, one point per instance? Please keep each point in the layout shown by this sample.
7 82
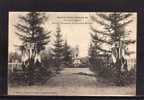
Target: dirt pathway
73 82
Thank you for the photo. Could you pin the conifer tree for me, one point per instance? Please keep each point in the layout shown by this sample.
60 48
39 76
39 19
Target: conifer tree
94 54
114 29
67 54
58 49
112 34
30 31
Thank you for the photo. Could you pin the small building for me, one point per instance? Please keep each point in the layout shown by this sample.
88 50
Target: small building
76 62
75 56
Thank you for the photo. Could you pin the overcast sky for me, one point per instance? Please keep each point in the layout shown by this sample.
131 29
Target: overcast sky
74 27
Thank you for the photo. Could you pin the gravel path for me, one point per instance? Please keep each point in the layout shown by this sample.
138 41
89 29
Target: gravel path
73 82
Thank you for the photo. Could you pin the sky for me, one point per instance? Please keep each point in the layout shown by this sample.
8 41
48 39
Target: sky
75 28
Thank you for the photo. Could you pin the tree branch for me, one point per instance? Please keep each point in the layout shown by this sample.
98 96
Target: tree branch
124 16
97 31
98 21
104 16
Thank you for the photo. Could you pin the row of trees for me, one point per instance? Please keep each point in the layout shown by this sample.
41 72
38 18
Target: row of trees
30 31
113 34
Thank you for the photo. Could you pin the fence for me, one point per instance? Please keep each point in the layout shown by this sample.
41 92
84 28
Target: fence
12 66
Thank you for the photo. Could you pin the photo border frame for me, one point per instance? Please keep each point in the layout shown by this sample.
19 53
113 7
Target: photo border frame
70 6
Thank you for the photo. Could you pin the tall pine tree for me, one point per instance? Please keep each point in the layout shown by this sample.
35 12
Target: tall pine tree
112 34
93 51
58 49
30 31
67 54
114 29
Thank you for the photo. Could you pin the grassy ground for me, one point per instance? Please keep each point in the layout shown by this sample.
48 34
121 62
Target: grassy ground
73 82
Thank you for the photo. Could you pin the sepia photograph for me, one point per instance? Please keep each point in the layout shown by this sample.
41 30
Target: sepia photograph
72 53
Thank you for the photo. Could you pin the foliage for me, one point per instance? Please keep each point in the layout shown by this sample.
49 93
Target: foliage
67 53
34 73
114 29
113 32
108 74
84 62
58 50
30 31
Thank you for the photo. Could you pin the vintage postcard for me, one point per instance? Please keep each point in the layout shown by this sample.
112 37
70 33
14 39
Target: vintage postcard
72 53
